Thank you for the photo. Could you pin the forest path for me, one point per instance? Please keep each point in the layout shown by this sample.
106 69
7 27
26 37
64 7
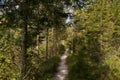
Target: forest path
62 69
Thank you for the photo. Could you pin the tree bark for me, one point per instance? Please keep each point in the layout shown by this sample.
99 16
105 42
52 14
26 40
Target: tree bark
37 44
47 34
53 43
24 42
24 49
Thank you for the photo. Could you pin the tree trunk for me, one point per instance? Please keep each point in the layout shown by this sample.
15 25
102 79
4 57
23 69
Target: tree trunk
47 34
53 43
37 44
24 15
57 40
24 49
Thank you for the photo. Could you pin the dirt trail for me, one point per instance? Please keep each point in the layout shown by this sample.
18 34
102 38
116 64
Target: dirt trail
62 69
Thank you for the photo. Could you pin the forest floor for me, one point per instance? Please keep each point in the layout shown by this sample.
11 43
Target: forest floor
62 71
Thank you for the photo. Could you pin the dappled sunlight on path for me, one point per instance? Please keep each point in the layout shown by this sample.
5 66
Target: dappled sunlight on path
62 69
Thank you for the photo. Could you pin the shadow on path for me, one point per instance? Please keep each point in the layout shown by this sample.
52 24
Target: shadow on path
62 69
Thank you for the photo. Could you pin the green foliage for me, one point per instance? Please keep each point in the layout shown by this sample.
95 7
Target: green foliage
94 39
61 49
83 63
44 70
48 68
96 45
8 58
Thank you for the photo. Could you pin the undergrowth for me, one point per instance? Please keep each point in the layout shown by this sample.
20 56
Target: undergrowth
49 67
